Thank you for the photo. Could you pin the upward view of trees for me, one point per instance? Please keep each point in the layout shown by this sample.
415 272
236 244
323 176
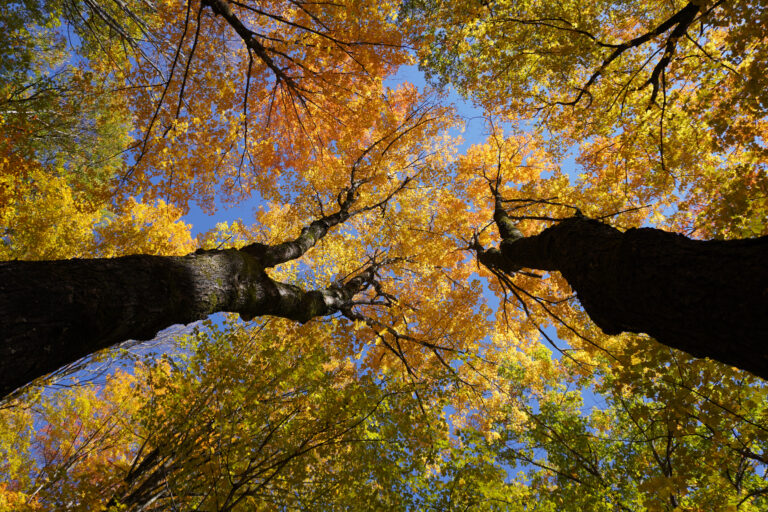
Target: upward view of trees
567 315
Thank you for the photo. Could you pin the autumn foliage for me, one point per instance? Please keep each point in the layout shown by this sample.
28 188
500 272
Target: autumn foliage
442 384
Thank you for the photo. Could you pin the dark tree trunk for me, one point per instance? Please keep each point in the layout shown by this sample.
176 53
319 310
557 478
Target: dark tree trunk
54 312
707 298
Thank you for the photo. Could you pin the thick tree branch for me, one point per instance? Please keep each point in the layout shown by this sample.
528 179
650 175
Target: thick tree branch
223 9
272 255
681 20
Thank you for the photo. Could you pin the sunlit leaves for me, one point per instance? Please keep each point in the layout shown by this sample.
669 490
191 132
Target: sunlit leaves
434 387
46 219
660 101
230 114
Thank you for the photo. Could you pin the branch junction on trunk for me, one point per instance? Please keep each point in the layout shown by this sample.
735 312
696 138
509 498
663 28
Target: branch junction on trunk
707 298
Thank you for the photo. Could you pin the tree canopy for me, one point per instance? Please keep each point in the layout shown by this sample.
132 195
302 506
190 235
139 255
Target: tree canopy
413 324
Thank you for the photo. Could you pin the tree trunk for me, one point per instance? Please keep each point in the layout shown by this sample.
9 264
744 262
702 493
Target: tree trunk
54 312
707 298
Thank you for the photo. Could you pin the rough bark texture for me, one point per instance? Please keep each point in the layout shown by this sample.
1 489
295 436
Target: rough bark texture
55 312
708 298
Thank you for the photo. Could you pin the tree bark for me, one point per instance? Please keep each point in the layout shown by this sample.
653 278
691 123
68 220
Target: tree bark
707 298
54 312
